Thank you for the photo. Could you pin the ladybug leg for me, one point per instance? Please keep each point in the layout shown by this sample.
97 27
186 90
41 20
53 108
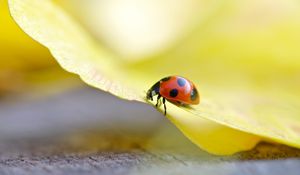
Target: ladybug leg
158 98
164 102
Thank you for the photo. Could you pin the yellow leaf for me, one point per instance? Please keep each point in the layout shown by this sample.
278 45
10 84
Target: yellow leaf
69 43
240 111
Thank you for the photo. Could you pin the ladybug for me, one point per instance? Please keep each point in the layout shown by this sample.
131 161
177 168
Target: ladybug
176 89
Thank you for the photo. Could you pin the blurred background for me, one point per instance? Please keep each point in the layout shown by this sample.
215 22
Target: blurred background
253 44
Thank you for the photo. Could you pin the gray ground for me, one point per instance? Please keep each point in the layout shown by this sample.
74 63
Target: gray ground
85 131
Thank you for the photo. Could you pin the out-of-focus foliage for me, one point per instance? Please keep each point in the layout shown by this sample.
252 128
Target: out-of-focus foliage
24 62
135 29
243 55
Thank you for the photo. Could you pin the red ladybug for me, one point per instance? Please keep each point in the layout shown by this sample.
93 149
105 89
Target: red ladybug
175 89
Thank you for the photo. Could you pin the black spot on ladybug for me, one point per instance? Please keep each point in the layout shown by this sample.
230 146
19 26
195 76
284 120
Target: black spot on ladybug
194 94
173 93
166 79
181 82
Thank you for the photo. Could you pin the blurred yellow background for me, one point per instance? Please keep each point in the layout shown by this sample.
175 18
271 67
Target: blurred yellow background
25 64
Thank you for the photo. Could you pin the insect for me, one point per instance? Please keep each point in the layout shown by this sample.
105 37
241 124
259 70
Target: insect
175 89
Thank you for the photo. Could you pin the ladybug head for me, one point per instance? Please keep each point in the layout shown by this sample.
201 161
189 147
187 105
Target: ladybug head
149 95
154 90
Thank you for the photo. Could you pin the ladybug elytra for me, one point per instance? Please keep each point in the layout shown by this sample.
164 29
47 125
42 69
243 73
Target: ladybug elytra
175 89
